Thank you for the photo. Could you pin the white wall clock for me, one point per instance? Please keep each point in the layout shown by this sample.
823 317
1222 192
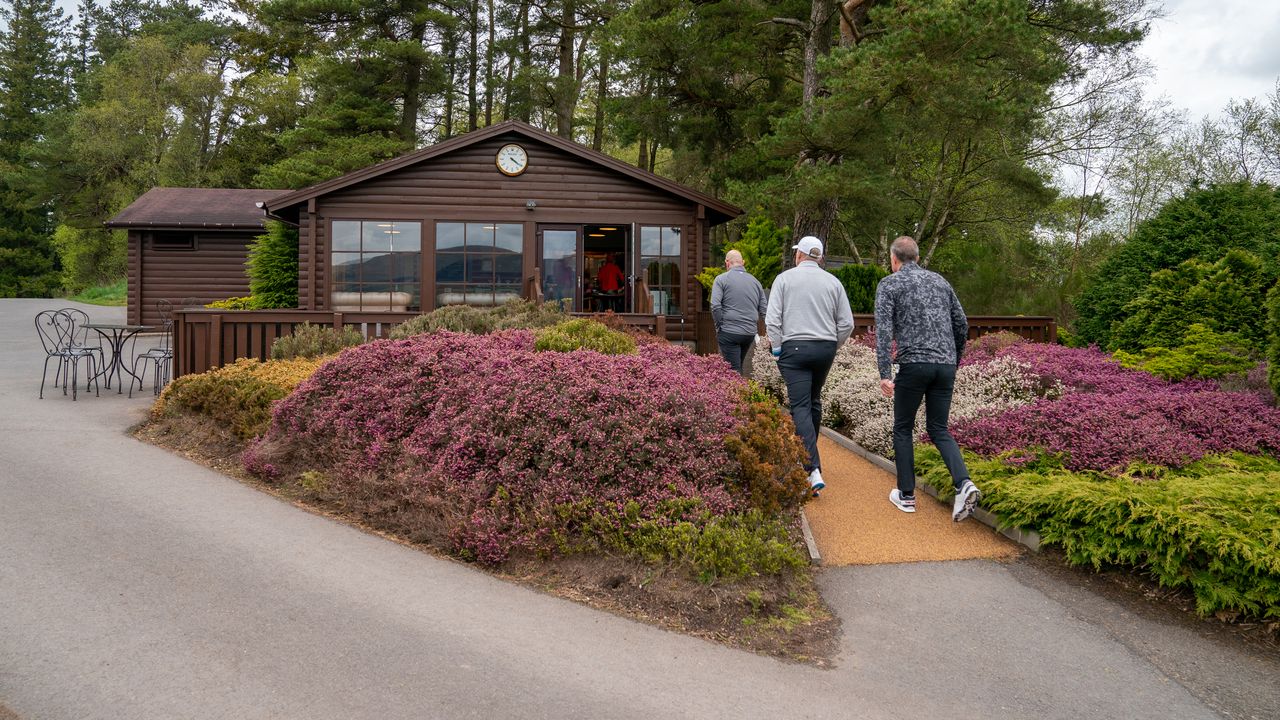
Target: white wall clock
512 159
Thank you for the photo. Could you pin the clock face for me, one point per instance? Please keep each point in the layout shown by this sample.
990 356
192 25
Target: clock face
512 159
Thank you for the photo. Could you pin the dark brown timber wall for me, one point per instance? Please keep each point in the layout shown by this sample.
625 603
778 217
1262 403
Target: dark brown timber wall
212 270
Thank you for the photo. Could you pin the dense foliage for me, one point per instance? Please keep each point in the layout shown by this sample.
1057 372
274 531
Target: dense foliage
1273 350
1202 226
514 315
762 245
584 334
273 268
859 283
487 447
238 396
1211 527
1203 353
313 341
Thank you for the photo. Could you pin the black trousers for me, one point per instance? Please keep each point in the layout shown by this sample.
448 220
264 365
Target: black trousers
735 348
933 383
804 365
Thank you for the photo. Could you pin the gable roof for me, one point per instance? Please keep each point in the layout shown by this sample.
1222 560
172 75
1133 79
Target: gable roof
208 208
718 210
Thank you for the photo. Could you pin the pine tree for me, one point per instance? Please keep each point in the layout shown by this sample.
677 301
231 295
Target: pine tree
33 86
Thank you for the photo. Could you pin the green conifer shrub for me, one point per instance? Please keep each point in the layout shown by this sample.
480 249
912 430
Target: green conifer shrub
273 268
859 283
311 341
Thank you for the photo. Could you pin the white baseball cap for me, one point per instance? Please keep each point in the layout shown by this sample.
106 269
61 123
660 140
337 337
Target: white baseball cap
809 245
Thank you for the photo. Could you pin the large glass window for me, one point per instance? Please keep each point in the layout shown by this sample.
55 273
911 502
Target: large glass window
376 265
479 263
660 264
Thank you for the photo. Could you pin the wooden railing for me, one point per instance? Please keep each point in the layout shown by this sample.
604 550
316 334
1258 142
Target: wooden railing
205 339
1036 328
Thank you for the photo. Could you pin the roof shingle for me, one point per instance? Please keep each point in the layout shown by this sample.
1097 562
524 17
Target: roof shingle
196 208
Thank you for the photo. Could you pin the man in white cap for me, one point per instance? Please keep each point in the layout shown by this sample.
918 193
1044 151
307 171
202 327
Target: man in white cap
808 319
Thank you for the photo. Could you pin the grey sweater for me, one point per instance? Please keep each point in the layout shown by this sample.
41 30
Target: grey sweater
918 309
808 303
737 302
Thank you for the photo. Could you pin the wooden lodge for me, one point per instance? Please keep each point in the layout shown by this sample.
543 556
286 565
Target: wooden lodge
505 212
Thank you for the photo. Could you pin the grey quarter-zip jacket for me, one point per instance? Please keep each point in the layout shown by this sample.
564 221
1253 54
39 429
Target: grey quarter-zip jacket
737 302
918 309
808 303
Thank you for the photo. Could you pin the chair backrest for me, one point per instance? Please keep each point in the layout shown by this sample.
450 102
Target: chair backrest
79 318
164 309
56 329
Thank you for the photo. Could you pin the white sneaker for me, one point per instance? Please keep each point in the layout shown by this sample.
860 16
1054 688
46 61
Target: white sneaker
907 505
967 498
815 481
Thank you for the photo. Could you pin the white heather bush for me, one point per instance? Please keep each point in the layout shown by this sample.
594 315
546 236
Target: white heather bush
852 402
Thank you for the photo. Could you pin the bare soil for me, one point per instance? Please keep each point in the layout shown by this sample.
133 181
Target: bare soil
780 616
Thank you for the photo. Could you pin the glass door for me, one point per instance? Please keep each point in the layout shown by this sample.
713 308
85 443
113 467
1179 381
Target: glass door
559 252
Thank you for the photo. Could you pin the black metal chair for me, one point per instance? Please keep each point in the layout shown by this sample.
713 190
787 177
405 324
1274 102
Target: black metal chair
81 339
160 358
57 331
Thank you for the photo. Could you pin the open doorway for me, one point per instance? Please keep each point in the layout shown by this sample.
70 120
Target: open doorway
587 268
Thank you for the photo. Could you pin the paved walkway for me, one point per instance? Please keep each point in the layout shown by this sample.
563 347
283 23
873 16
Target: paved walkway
134 584
854 523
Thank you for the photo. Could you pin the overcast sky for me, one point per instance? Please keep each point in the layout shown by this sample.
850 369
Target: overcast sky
1207 52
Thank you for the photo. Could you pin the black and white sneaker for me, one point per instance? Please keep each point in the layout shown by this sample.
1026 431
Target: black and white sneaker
967 498
905 503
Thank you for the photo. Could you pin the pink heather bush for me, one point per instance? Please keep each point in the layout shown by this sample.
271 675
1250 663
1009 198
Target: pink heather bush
1170 426
511 447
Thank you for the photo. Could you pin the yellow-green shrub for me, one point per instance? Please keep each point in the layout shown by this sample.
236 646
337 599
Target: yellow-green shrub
239 395
584 334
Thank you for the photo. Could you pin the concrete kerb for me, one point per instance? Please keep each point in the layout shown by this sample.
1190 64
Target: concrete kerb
1029 538
815 557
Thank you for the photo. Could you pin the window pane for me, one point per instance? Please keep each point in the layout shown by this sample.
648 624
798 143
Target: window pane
407 267
671 241
412 290
506 293
449 267
376 268
510 268
480 295
479 268
406 237
449 237
346 235
510 237
377 235
650 240
346 268
480 236
450 295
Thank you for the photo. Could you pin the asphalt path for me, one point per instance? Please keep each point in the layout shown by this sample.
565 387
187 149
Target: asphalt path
135 584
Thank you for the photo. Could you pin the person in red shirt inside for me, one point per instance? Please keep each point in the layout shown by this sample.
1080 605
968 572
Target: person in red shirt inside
610 280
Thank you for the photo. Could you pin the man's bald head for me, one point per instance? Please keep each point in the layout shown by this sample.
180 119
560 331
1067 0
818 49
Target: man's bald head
733 258
905 249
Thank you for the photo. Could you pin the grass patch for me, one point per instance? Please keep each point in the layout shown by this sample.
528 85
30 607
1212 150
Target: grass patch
1212 527
114 294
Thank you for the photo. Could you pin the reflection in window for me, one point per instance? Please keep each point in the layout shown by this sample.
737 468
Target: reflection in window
376 265
478 263
660 264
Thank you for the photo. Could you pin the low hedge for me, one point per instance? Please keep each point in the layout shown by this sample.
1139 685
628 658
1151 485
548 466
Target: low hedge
238 396
1212 526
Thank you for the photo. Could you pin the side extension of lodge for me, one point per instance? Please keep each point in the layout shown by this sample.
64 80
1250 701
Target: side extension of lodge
505 212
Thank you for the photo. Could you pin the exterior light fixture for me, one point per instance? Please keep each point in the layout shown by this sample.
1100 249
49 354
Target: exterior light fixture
530 204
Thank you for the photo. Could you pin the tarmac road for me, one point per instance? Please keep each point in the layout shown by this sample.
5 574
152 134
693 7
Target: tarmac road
134 584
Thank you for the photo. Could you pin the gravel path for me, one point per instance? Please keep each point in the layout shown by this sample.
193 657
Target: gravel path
854 523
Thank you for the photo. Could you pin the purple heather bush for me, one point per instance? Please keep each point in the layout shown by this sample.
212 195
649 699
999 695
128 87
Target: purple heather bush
508 448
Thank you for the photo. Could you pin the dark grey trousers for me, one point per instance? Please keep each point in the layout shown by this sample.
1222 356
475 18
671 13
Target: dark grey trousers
933 383
735 348
804 365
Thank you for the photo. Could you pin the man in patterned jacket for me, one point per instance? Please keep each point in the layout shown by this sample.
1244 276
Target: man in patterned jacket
918 310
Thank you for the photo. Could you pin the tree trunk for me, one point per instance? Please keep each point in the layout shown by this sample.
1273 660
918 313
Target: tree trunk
408 130
488 69
451 76
473 105
602 91
566 95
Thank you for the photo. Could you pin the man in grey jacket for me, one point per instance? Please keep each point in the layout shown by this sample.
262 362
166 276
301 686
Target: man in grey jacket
807 321
737 304
918 310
